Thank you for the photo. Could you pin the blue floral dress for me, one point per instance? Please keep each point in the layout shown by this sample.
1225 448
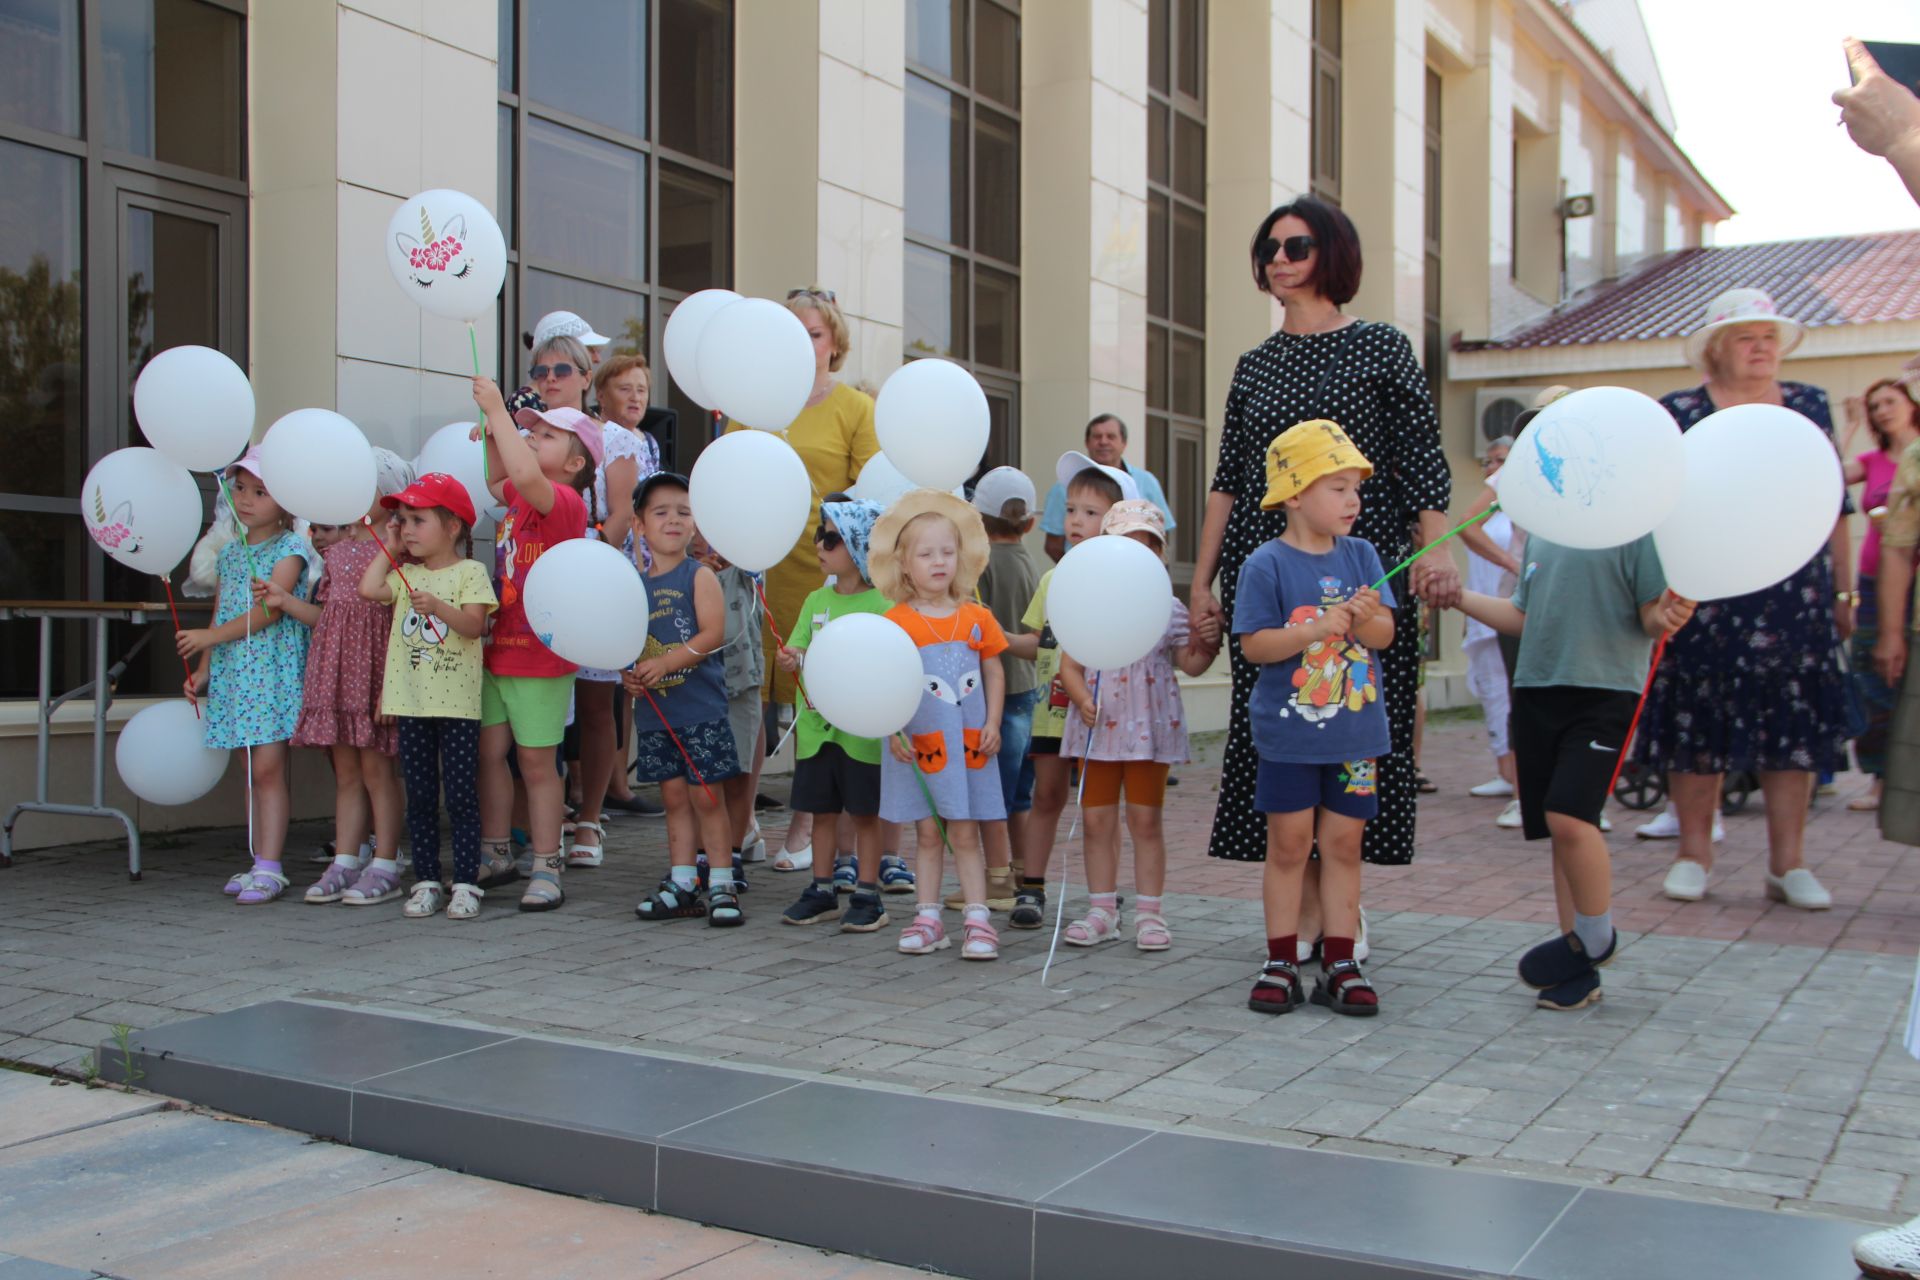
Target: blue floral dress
254 683
1753 682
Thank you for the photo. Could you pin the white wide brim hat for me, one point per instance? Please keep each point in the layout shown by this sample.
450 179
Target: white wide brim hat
1741 306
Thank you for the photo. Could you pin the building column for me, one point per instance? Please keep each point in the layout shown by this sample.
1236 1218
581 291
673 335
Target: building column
1383 156
1083 220
819 177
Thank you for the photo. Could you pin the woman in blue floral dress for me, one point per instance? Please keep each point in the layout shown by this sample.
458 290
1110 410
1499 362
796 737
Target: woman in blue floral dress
1755 683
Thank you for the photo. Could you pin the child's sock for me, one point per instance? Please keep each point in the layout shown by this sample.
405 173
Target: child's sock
859 886
720 880
927 911
1145 906
1107 902
1595 932
823 884
1033 884
1287 948
351 862
1333 951
977 913
685 877
266 864
389 865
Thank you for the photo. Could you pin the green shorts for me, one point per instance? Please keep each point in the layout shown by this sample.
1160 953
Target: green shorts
534 707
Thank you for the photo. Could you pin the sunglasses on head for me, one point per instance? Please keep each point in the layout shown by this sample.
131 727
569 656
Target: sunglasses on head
829 539
1295 247
539 372
825 295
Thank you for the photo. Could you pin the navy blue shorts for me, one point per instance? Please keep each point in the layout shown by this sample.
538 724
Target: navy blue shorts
709 748
1282 786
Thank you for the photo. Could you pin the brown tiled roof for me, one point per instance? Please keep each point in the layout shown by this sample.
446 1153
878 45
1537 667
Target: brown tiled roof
1832 281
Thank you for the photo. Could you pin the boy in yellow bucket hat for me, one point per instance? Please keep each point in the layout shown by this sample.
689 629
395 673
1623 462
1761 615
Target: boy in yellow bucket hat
1308 616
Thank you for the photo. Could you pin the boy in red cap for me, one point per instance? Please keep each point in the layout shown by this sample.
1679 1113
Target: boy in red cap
432 680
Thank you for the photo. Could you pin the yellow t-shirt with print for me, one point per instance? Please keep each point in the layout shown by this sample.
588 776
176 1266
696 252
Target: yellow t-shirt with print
1050 706
433 670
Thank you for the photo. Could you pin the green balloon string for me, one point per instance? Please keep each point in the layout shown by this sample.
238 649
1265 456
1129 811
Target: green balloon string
253 570
1454 532
473 345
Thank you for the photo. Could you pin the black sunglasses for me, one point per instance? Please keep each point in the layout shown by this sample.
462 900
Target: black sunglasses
539 372
826 295
1295 247
829 539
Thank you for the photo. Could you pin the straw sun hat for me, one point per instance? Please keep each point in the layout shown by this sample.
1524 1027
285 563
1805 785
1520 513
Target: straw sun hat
883 554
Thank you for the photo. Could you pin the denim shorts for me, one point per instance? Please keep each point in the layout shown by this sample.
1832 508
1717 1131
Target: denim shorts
1288 787
1016 731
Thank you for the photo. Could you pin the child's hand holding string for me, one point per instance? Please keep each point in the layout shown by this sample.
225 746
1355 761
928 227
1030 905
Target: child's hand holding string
643 676
1364 605
193 643
788 658
426 604
486 394
1675 611
1089 715
270 595
901 752
1337 621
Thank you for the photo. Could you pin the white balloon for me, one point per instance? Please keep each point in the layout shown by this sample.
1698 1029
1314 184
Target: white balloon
587 603
1596 468
932 420
196 406
1763 490
447 254
163 755
682 340
318 466
863 673
751 497
449 451
756 361
881 482
1109 602
142 508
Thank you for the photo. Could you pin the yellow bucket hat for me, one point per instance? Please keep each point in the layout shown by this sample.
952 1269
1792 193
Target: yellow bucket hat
1304 453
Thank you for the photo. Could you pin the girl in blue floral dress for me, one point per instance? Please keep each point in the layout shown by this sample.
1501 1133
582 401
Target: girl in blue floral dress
250 664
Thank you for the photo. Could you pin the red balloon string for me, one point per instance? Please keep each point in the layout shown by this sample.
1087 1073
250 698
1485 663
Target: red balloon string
691 768
382 544
1659 647
774 624
174 609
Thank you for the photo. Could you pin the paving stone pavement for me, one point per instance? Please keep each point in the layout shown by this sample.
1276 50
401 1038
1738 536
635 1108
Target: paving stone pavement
1744 1052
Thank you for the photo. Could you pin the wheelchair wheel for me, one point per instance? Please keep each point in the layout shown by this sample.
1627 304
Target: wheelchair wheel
1639 787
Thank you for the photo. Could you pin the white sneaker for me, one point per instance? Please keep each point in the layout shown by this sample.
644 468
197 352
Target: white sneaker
1492 789
1509 816
1606 823
1667 827
1799 888
1686 881
1891 1254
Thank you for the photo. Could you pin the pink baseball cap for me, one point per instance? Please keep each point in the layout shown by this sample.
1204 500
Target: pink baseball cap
568 420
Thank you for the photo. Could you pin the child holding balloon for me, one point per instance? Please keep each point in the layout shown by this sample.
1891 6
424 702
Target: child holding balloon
250 663
340 706
1595 616
927 554
432 658
835 772
524 695
1308 618
681 733
1091 490
1129 728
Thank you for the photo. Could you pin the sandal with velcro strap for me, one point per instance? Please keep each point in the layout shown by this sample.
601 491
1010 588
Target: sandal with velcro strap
1336 986
672 902
723 908
1277 989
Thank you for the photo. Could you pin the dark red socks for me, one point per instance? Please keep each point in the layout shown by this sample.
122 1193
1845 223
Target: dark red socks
1332 951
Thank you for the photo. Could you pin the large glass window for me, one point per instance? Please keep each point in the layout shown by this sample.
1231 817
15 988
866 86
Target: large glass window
616 181
1325 126
122 233
1176 266
962 256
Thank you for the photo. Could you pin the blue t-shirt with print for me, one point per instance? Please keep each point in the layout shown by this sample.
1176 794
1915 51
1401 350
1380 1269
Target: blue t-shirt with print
1321 706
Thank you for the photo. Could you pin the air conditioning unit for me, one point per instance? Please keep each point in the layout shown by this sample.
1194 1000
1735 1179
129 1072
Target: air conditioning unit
1494 411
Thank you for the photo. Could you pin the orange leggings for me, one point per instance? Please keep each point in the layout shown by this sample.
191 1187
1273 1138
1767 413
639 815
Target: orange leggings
1145 782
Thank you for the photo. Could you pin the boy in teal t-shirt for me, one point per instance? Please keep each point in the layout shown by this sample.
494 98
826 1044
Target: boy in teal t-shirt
835 772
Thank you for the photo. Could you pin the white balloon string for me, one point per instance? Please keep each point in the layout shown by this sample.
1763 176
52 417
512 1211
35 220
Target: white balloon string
1060 908
251 851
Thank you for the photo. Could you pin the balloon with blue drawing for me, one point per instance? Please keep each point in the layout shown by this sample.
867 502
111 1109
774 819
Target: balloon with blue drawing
1597 468
587 603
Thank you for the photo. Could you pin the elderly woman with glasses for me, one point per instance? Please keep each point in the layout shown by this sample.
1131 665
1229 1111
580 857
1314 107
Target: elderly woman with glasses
834 437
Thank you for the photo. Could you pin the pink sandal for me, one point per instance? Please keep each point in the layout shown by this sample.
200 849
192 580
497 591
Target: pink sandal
1100 924
1150 932
980 941
924 936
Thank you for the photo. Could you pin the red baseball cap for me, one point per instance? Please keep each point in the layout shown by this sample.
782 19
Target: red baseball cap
434 489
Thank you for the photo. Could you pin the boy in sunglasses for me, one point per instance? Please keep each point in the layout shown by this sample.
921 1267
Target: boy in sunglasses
835 772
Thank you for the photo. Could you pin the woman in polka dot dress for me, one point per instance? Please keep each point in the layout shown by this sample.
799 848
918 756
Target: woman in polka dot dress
1325 364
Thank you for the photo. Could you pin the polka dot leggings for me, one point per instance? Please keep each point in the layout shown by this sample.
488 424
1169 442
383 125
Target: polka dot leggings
429 748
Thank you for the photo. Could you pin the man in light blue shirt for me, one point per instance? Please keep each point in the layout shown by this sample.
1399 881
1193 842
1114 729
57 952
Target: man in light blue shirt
1106 444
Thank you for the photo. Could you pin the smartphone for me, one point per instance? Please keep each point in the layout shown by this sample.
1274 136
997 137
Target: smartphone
1901 61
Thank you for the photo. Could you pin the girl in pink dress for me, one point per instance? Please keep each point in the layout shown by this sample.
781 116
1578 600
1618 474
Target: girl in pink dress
340 708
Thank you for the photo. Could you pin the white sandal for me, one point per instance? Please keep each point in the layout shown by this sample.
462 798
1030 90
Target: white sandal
754 847
586 855
794 859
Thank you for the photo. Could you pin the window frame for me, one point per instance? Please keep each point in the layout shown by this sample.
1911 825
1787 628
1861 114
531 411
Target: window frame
1324 166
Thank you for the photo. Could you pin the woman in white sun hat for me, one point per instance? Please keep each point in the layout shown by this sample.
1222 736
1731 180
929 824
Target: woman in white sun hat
1755 683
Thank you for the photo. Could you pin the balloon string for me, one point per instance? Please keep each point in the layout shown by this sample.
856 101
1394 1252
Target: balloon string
691 768
927 793
245 548
1451 533
773 623
1079 797
1659 647
473 344
428 622
174 609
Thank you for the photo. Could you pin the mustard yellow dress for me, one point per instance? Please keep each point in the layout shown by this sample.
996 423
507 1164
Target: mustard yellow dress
834 439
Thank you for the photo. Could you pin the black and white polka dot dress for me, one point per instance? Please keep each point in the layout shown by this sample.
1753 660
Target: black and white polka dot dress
1378 392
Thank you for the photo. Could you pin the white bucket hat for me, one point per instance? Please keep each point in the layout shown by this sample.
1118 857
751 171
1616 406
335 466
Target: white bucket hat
565 324
1741 306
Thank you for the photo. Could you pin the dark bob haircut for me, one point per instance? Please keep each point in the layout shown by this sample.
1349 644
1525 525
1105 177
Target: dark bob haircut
658 480
1337 272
